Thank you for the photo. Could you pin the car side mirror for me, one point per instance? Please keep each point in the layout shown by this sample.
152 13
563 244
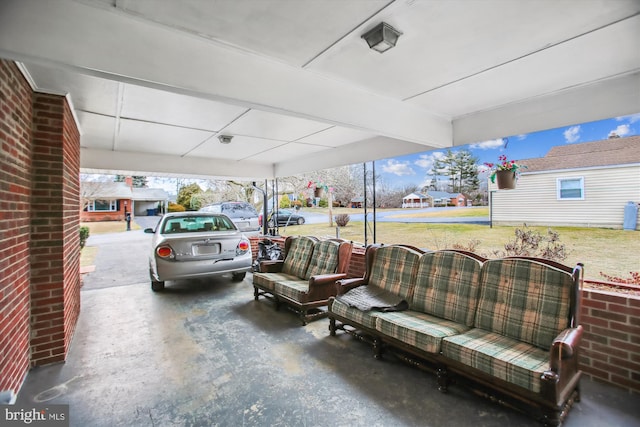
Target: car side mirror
149 230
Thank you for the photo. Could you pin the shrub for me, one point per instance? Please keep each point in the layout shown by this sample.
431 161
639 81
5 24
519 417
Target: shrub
323 203
531 243
342 219
84 235
174 207
285 203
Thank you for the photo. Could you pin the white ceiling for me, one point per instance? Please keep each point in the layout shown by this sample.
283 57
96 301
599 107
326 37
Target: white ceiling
154 82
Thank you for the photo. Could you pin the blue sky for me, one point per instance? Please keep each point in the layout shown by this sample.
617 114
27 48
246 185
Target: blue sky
412 169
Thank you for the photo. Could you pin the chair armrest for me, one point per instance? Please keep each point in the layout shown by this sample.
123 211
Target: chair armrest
345 285
271 266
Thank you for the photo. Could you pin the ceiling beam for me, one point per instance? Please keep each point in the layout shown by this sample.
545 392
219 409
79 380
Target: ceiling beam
120 162
597 101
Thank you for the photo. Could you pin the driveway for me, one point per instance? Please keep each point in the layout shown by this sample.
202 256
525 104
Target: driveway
122 258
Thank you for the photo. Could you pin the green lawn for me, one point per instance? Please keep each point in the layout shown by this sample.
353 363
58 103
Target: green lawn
614 252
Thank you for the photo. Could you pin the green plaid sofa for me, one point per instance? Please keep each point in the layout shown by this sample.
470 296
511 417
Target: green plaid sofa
305 280
506 327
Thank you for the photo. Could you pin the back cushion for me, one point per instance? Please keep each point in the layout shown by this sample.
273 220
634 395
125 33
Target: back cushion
524 300
324 259
298 256
447 286
394 269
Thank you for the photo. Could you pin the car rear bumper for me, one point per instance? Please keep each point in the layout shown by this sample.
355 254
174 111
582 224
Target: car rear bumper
175 270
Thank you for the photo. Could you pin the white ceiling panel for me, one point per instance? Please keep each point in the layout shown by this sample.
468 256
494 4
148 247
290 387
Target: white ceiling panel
335 137
145 137
293 31
444 41
567 65
274 126
97 130
143 103
240 148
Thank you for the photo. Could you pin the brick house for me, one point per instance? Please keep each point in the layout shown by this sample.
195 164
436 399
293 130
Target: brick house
110 201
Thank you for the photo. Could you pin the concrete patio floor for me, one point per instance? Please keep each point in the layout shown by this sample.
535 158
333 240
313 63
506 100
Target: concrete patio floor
204 353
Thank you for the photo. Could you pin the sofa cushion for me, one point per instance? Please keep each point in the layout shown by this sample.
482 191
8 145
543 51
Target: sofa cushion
418 329
508 359
268 280
524 300
294 288
359 317
324 259
298 256
393 270
447 286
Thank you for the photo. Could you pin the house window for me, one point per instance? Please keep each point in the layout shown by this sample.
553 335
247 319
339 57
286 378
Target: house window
102 205
570 188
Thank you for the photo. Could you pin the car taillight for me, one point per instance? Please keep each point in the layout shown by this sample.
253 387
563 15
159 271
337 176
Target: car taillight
164 251
260 220
243 247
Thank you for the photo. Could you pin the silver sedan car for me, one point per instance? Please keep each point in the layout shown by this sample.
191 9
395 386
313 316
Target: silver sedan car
188 245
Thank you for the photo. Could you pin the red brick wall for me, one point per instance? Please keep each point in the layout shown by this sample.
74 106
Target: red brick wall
39 219
611 343
70 223
55 257
15 200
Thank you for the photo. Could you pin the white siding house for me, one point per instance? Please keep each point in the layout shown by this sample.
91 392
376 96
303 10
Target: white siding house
586 185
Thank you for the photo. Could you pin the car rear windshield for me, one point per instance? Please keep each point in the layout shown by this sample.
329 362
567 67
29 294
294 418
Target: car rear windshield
239 210
197 223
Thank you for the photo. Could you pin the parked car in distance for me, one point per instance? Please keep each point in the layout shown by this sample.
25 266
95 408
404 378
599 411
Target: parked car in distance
285 217
189 245
243 215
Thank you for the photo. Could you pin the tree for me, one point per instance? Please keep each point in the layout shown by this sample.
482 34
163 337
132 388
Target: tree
186 193
461 169
138 181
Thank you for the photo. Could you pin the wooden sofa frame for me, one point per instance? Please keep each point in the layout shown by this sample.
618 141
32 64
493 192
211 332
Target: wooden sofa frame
559 384
321 287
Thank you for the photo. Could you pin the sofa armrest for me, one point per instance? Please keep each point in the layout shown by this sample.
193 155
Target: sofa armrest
323 286
345 285
565 345
271 266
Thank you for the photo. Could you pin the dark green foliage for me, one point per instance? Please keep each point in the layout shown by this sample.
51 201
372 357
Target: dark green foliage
84 235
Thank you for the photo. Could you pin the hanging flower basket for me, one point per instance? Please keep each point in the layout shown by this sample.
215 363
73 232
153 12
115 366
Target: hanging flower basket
506 180
505 171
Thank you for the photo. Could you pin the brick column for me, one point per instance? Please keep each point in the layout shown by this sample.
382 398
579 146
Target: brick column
55 247
15 207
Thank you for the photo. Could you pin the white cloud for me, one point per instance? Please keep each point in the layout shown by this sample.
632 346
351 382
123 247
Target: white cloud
425 161
632 118
622 130
572 134
398 168
522 137
487 145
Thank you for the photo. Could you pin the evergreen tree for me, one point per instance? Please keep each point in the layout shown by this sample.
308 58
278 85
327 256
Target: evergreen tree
138 181
461 169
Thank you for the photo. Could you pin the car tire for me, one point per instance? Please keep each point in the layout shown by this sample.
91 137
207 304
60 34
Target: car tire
300 221
238 277
157 286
